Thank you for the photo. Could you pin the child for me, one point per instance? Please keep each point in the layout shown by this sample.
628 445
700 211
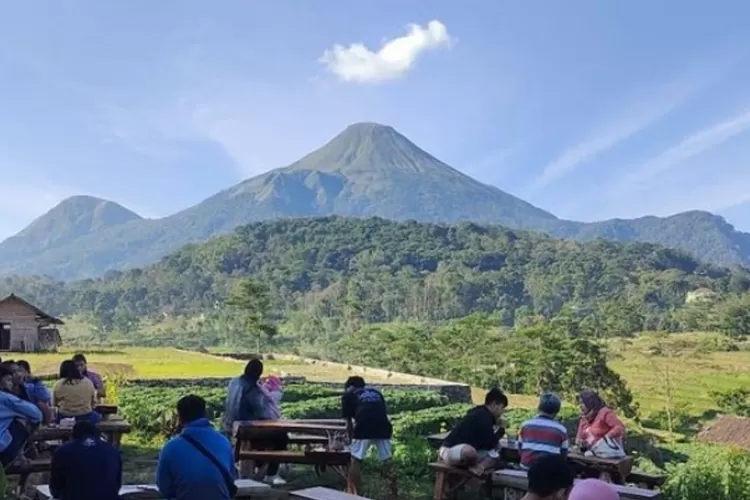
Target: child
273 390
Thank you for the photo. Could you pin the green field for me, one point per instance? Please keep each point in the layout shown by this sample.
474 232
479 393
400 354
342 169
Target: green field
136 362
694 373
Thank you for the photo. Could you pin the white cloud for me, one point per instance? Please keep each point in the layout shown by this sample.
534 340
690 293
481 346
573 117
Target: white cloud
395 58
646 113
691 146
638 116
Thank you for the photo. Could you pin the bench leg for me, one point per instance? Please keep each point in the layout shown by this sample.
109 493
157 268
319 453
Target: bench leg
440 480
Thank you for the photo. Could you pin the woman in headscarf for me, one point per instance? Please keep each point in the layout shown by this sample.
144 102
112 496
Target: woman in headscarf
593 489
597 421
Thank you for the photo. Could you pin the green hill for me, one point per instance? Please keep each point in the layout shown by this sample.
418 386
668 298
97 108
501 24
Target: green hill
374 270
367 170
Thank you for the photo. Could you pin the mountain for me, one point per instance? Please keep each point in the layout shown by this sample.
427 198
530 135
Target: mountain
367 170
73 218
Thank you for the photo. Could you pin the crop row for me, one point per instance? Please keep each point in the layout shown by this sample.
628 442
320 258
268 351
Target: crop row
151 410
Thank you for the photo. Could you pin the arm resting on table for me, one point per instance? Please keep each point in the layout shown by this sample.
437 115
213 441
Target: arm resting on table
616 427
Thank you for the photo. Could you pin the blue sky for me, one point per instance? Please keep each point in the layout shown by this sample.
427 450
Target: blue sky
588 109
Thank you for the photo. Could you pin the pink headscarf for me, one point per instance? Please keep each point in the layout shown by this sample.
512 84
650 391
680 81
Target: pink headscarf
593 489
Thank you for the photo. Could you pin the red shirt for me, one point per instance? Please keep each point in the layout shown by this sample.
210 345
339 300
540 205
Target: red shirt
605 423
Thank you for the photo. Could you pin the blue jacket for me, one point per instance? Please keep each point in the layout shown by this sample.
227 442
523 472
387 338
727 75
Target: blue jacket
244 402
86 469
184 473
11 408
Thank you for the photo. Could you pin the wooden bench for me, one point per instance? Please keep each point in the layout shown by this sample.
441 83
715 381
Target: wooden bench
646 480
35 466
450 480
246 488
516 480
323 458
320 493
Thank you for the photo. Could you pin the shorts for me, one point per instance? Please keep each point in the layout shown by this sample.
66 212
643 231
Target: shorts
360 447
452 455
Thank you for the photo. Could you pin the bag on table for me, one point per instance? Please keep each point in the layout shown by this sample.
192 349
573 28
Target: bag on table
607 447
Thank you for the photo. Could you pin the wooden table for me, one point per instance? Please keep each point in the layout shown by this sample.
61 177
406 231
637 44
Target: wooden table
515 482
112 430
320 493
615 469
246 453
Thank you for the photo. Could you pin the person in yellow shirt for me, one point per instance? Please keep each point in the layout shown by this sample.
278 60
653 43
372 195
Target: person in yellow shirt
74 395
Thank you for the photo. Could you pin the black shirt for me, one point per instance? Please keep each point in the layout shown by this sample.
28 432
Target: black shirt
368 409
476 429
86 469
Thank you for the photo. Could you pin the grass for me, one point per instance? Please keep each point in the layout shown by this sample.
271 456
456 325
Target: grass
137 362
694 374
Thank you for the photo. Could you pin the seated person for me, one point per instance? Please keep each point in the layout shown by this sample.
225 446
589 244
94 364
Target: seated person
597 422
83 367
31 389
197 464
543 434
473 442
15 417
74 395
550 477
368 425
86 468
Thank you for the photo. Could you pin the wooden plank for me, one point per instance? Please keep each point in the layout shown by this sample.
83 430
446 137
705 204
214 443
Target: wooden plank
248 429
516 479
295 457
56 432
246 488
320 493
34 466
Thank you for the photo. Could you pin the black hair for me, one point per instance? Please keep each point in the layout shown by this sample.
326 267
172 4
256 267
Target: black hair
69 371
24 364
191 408
254 369
496 396
84 429
5 370
356 381
550 473
78 358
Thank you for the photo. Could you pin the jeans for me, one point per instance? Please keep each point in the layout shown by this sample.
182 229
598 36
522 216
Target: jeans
92 417
19 435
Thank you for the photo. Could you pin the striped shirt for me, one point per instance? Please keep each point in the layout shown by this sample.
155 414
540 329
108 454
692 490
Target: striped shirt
542 435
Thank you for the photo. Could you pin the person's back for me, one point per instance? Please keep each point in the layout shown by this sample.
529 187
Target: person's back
543 435
86 468
550 477
184 472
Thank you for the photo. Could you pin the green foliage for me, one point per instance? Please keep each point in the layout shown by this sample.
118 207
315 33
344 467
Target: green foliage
734 401
715 473
398 401
250 301
331 276
559 356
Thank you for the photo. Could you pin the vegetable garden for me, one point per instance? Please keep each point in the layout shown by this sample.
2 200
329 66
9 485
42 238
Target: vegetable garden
693 469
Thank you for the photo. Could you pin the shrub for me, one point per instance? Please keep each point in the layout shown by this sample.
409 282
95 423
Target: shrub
710 472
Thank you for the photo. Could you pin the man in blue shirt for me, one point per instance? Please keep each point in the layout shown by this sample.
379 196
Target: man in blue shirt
15 414
198 464
86 468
